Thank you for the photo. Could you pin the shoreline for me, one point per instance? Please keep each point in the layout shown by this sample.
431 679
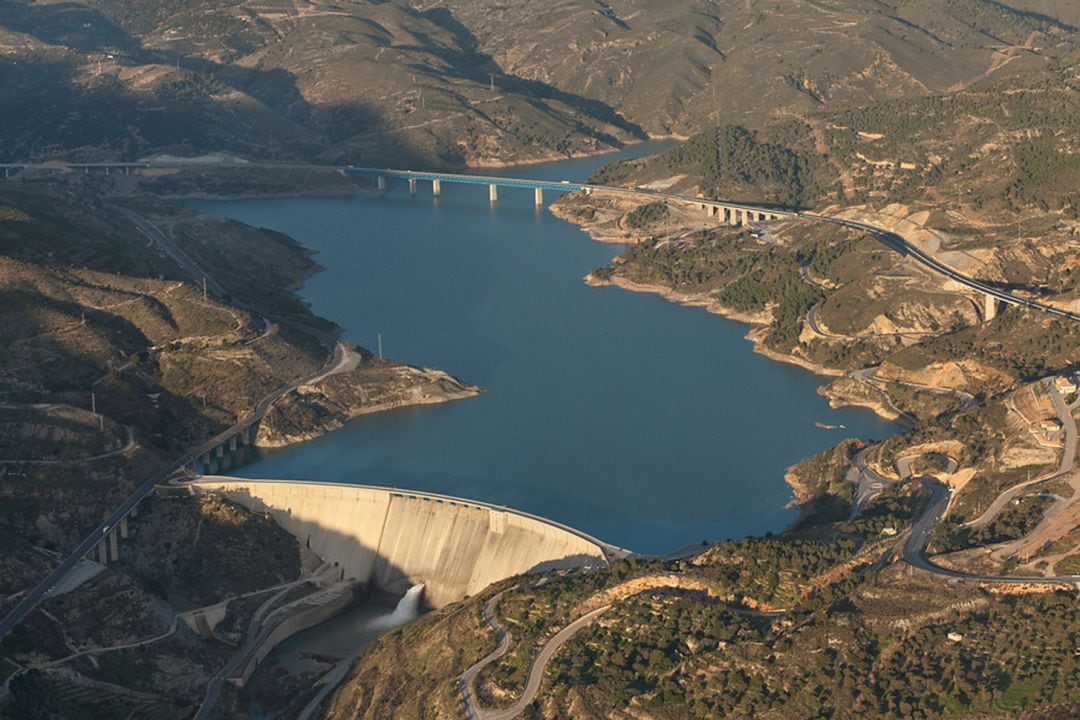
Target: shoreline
300 191
560 157
753 335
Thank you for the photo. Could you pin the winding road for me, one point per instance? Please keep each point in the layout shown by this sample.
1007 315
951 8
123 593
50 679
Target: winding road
1065 467
536 669
918 537
914 545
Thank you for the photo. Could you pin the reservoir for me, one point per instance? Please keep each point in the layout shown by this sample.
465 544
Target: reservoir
644 423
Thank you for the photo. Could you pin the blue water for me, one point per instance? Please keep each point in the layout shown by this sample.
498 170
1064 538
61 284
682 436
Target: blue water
647 424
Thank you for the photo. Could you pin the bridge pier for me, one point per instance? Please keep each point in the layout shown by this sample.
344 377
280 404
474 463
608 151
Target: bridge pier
232 444
493 193
538 197
102 552
7 173
732 217
206 463
412 186
990 308
114 546
381 182
124 528
436 188
106 169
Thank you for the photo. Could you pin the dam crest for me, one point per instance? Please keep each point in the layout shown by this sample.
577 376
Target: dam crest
393 539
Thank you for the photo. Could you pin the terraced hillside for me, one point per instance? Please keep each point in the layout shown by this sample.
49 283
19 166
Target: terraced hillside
115 363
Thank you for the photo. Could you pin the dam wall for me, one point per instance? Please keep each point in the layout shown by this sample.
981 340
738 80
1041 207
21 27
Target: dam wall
394 539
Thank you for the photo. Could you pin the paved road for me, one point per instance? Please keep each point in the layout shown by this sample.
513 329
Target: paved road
468 678
536 669
895 242
154 234
256 631
868 482
914 550
338 359
889 238
1068 459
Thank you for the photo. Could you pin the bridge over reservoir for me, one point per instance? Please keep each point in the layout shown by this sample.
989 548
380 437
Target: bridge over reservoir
393 539
725 212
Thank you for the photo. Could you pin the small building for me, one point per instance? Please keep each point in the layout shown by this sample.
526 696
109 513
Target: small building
1065 385
955 637
1050 426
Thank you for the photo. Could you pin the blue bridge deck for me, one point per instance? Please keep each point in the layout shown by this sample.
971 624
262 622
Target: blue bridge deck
553 185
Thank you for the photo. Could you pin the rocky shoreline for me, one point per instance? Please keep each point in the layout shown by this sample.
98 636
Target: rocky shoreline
755 335
373 386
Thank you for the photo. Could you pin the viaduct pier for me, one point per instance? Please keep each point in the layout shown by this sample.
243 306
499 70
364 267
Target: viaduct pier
728 213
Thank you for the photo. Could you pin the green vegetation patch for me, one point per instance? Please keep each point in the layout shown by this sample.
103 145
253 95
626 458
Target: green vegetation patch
648 214
1013 522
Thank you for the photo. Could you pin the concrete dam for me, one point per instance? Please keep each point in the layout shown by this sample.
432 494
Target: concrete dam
393 539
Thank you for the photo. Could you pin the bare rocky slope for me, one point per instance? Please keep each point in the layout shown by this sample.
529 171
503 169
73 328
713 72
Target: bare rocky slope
469 82
114 364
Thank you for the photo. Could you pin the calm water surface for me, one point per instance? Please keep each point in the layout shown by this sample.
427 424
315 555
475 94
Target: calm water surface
647 424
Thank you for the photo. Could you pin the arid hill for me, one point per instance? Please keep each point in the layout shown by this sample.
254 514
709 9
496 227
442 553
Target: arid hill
467 82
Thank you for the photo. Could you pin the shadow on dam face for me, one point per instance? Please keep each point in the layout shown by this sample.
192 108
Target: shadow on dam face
393 539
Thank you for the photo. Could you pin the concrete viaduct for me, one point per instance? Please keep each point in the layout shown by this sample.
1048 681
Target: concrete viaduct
120 168
214 458
726 213
104 542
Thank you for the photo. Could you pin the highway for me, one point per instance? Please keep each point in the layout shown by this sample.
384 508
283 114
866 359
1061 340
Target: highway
912 551
897 243
40 591
888 238
337 360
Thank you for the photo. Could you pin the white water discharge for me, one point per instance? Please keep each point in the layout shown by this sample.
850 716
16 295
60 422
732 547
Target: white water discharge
408 609
345 638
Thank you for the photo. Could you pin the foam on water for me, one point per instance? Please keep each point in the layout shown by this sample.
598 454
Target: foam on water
407 610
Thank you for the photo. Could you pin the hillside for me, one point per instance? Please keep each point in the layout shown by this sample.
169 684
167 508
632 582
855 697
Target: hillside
115 363
371 81
467 83
808 628
749 62
991 169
